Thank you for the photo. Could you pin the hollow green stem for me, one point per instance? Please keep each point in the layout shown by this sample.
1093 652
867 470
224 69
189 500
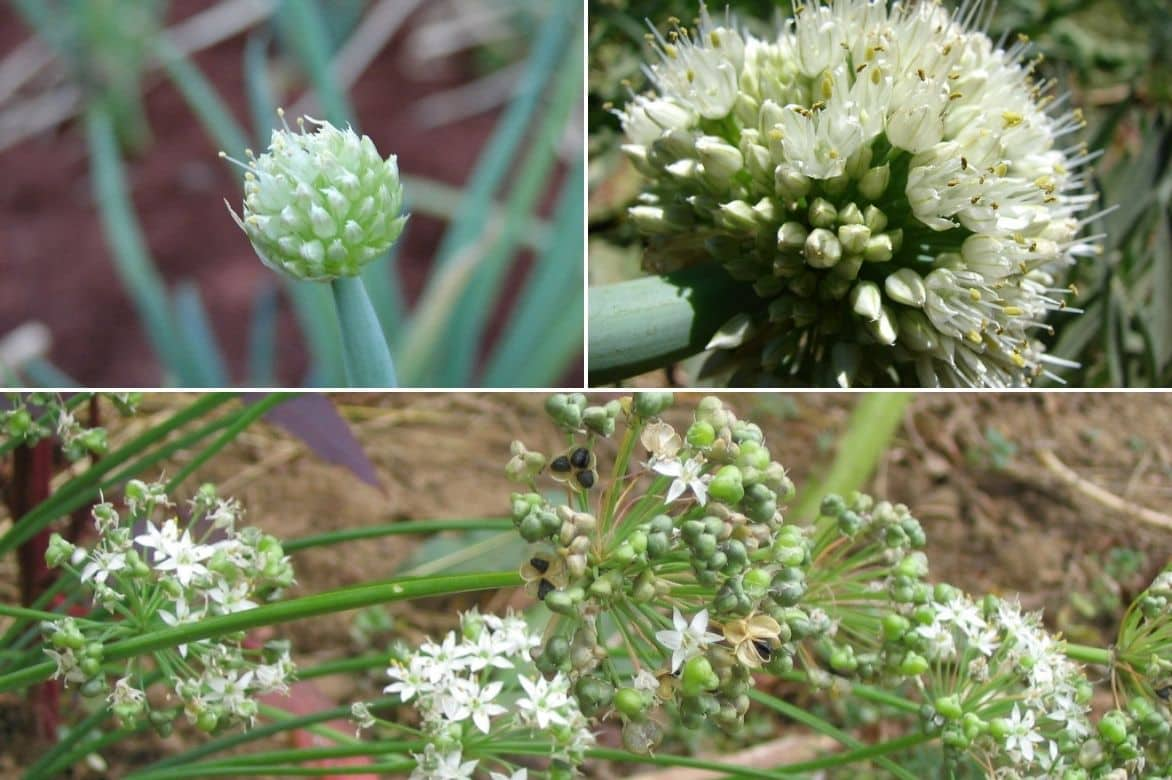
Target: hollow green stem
230 741
873 423
394 529
1088 655
75 492
651 322
824 727
340 600
366 355
246 418
867 753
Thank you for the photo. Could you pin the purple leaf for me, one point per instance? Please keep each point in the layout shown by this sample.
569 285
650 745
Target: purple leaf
313 419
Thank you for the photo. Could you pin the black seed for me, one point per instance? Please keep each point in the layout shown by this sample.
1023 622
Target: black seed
763 649
540 564
560 463
585 478
580 458
544 589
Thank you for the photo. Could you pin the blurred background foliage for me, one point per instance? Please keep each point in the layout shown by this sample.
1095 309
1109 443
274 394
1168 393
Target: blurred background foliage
1113 58
500 302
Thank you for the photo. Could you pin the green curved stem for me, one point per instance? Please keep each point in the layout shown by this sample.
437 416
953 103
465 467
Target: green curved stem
652 322
79 489
340 600
393 529
824 727
873 423
366 355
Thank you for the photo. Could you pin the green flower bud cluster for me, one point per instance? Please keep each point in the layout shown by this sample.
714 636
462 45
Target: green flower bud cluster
27 418
321 205
154 571
683 551
709 525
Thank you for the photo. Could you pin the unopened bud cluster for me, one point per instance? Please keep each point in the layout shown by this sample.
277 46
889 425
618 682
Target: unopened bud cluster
321 205
478 688
696 562
27 418
891 184
150 570
680 563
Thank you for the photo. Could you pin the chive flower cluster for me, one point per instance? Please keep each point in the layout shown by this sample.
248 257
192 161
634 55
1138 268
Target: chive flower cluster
27 418
684 555
478 688
673 578
150 569
901 193
320 205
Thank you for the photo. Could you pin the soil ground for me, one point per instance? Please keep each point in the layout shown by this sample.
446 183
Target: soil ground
997 519
58 269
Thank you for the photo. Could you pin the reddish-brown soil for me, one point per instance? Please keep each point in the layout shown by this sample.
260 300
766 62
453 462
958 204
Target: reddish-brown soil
56 265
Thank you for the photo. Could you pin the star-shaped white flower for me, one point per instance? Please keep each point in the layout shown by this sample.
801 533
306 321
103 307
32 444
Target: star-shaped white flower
544 700
482 707
686 641
1022 735
687 476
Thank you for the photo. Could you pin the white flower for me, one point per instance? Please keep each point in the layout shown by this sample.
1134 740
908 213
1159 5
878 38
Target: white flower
446 658
490 651
686 640
101 564
894 138
183 557
687 476
431 765
410 679
1022 735
481 706
520 774
159 539
543 701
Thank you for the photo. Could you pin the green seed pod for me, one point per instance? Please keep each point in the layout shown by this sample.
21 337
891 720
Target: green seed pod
630 702
913 665
705 546
701 434
162 721
599 420
658 545
594 694
698 676
557 650
661 524
321 205
832 505
756 582
1113 727
531 528
58 552
949 707
652 403
727 486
